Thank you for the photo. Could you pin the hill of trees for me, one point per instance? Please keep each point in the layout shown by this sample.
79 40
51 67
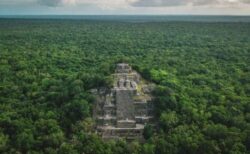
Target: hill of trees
47 67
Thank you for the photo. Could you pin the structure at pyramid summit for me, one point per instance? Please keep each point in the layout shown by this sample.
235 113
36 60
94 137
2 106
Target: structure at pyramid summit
124 110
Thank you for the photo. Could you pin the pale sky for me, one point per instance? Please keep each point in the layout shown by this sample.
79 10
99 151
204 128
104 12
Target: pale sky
123 7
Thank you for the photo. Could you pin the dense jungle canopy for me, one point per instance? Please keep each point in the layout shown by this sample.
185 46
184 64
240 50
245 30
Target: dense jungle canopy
201 71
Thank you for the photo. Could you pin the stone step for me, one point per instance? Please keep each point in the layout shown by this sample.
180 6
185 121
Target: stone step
143 119
109 106
107 117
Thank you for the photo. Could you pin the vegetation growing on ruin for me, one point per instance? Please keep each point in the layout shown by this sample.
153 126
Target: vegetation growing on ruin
201 70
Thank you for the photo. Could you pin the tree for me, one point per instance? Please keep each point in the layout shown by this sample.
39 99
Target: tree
48 134
148 131
76 110
168 120
3 142
25 141
148 148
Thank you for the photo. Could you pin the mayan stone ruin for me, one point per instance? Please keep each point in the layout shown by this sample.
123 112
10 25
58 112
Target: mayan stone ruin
123 110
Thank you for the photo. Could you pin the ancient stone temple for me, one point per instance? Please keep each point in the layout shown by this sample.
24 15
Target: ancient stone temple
123 110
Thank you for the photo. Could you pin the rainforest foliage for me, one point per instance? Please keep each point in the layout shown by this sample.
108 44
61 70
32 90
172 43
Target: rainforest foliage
201 71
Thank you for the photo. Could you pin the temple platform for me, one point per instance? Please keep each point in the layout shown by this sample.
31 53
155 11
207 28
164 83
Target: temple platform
123 110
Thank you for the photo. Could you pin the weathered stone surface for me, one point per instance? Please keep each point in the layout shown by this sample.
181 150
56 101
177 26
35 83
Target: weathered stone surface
123 68
123 110
125 104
